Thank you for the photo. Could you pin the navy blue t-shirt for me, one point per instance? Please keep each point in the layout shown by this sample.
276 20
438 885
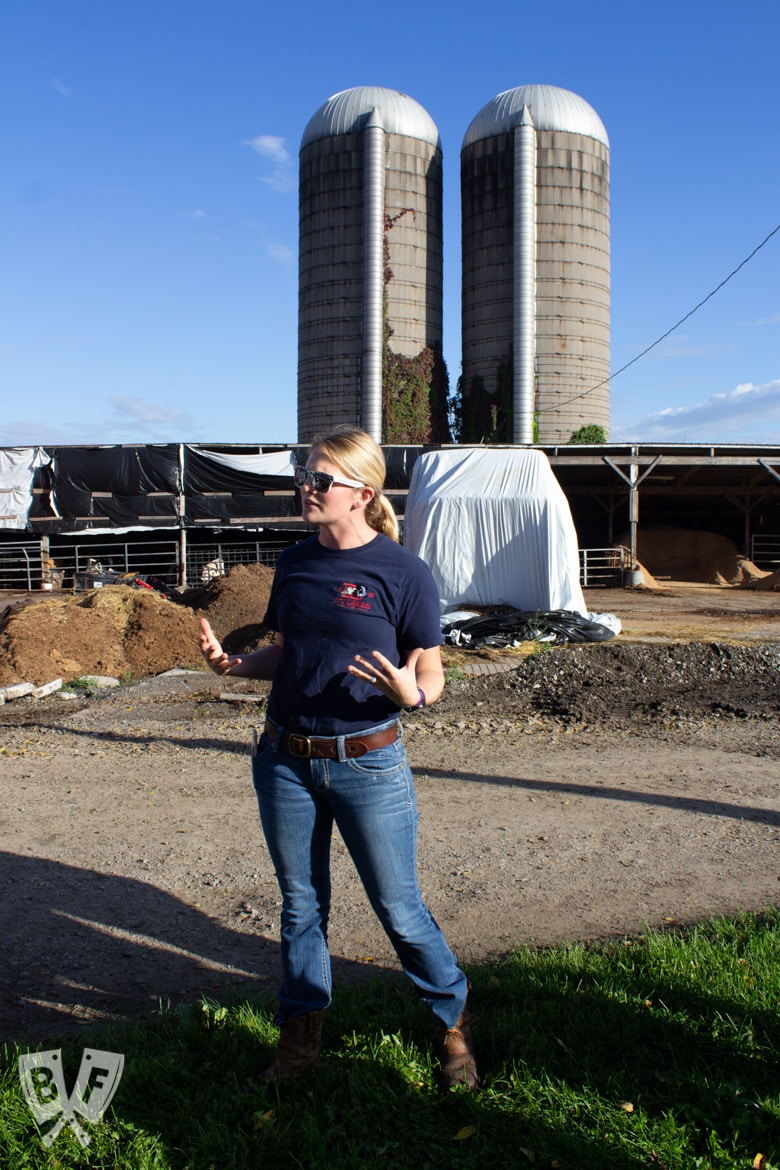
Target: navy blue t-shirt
331 604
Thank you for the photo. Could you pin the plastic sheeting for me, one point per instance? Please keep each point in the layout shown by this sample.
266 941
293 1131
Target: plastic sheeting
518 626
17 470
495 528
221 487
115 484
206 470
121 487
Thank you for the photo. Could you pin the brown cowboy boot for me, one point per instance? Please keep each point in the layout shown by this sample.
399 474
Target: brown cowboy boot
298 1051
455 1052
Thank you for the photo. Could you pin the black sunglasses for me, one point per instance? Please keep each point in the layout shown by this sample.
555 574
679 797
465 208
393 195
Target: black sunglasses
320 481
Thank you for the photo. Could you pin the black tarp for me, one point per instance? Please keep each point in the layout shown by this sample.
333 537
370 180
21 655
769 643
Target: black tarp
237 505
138 484
202 474
511 627
115 484
399 462
214 491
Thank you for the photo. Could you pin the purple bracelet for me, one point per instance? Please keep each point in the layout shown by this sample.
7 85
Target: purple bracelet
420 701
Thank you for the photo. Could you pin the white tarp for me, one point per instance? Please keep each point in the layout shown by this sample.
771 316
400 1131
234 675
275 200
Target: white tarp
495 528
17 468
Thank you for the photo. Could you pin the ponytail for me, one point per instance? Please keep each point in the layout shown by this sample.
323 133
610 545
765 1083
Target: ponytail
381 516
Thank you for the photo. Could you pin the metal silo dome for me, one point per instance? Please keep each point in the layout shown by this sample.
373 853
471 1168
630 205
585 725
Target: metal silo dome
551 108
350 110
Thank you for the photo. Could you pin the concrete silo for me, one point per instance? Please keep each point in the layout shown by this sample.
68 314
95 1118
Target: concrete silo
370 253
535 237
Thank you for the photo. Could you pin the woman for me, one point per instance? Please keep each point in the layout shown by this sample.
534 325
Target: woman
357 627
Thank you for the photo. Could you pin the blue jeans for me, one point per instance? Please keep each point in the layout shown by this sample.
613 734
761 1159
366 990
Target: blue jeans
371 799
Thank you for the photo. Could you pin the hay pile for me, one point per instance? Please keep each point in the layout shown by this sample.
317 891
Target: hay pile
704 557
769 582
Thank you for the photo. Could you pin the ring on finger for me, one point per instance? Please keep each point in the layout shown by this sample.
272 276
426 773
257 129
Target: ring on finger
372 678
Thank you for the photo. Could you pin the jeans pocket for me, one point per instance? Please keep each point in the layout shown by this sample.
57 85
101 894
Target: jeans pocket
262 749
380 763
260 743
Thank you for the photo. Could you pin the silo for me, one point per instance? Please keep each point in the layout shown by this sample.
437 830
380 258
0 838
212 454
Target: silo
370 258
535 239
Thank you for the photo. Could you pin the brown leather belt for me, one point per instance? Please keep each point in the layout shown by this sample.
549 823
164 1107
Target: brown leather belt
326 748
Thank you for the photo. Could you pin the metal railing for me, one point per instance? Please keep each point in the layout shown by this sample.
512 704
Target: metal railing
28 567
160 557
25 566
209 561
73 565
604 566
21 566
765 552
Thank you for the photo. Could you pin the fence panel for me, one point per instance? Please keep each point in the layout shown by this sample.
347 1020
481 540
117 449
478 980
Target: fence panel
603 566
765 552
205 562
157 557
21 566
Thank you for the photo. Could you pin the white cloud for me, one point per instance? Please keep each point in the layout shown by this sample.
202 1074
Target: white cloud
746 414
281 254
282 181
198 213
679 345
271 147
774 320
132 421
61 88
149 414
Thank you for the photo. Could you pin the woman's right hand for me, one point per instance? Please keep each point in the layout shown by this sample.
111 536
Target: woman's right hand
212 651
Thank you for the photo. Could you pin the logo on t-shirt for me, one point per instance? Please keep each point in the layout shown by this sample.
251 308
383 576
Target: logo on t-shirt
353 596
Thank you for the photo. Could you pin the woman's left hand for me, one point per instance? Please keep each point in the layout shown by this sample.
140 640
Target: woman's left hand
399 683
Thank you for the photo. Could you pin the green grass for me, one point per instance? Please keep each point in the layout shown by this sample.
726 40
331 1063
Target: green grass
659 1051
78 686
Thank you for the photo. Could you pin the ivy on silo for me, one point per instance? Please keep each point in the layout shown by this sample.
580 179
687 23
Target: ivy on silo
481 415
415 390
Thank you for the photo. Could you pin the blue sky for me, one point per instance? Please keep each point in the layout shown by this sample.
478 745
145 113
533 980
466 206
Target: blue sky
148 195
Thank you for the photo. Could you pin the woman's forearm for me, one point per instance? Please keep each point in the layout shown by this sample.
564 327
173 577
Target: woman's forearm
431 683
260 663
257 664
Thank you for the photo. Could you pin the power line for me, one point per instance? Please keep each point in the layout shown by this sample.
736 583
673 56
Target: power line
677 324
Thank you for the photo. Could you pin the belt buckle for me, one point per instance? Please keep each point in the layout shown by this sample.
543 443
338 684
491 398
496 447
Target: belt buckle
299 745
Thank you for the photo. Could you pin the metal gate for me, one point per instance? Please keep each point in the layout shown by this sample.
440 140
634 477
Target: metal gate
765 552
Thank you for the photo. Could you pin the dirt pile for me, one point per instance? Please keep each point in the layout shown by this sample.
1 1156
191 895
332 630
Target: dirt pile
115 631
123 632
129 633
619 684
235 606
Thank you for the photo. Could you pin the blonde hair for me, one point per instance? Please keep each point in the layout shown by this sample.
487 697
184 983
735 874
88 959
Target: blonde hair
361 458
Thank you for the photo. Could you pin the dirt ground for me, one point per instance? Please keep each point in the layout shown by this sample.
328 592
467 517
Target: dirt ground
581 792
